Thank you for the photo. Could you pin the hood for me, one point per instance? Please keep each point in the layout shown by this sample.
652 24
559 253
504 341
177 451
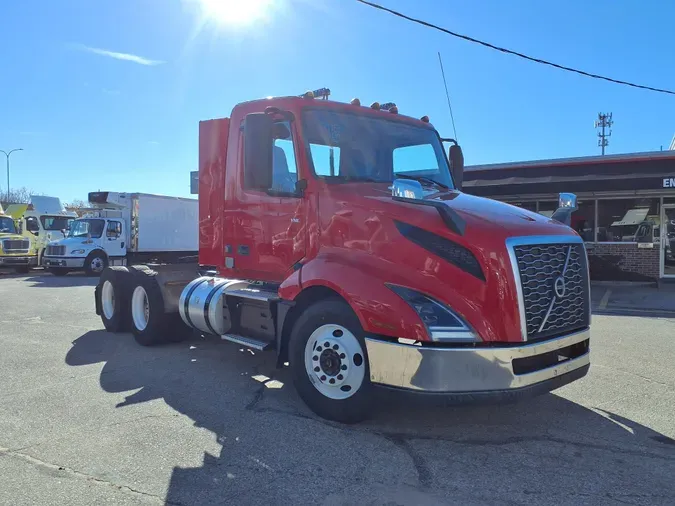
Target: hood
480 215
71 241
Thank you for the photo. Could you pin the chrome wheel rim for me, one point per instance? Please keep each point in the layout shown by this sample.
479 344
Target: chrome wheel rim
335 362
108 300
140 308
97 264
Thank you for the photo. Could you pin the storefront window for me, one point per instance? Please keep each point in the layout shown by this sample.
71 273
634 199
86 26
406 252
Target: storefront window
628 220
530 206
583 220
548 207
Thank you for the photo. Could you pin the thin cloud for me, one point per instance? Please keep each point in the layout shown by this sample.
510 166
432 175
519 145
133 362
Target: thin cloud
121 56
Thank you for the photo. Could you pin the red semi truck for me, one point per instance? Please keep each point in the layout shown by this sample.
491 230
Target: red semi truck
337 236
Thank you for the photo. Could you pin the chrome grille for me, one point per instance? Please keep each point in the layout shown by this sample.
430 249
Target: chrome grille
55 251
555 292
16 245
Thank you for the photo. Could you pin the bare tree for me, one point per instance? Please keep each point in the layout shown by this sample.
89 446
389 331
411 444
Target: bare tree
18 196
77 205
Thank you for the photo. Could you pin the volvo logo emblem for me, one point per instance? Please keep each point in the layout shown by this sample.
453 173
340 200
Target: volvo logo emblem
559 287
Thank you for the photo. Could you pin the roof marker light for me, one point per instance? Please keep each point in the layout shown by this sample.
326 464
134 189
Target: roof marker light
425 119
393 110
375 105
355 101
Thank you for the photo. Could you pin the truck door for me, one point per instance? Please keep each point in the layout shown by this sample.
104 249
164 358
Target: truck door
270 232
114 242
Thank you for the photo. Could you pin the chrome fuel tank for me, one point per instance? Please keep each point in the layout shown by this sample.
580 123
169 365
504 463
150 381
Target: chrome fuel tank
202 304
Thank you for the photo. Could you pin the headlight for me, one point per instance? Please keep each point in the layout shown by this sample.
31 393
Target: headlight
441 322
77 252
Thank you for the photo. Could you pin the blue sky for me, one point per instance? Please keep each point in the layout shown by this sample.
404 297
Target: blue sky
87 120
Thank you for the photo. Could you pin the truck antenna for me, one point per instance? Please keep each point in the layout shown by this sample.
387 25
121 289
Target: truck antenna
447 95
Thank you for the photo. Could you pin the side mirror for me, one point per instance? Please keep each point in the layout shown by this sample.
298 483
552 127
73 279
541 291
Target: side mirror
258 151
456 157
407 189
567 204
567 201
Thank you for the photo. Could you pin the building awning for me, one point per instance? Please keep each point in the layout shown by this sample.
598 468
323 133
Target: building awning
633 172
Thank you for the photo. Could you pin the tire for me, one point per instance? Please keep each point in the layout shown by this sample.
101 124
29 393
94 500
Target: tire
340 389
95 263
112 293
58 272
149 324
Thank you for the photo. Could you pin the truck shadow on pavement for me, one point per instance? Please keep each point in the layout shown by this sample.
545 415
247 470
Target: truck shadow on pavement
275 451
50 281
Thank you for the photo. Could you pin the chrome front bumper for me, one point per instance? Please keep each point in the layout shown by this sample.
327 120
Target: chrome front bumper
551 363
18 261
63 262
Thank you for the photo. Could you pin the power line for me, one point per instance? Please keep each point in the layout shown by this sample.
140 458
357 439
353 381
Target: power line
514 53
447 95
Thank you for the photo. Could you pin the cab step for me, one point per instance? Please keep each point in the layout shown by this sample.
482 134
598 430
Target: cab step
253 294
248 341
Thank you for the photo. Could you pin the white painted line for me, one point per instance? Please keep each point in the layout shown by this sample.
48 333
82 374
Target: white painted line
605 299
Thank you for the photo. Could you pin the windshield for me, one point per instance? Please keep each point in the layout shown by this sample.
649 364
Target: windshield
350 147
81 228
7 225
56 222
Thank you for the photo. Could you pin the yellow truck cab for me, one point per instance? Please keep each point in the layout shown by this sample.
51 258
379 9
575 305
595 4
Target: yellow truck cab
15 250
44 220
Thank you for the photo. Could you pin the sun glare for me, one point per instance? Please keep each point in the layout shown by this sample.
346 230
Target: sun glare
235 12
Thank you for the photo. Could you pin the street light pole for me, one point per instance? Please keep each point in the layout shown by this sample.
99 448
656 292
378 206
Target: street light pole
7 157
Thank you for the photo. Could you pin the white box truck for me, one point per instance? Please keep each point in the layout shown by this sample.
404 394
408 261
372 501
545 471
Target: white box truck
127 228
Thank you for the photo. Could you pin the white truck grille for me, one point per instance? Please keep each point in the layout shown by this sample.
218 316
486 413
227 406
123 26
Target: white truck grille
55 251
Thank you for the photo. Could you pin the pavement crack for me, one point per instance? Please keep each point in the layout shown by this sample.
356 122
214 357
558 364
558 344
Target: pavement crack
79 474
257 397
424 475
523 439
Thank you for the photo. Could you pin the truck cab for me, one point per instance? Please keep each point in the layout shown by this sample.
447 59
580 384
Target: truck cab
43 220
337 235
16 251
93 242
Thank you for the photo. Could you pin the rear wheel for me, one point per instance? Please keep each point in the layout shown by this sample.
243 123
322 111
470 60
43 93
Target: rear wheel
150 324
329 362
113 292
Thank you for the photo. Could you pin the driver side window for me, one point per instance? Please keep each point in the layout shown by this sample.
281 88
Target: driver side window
32 225
284 168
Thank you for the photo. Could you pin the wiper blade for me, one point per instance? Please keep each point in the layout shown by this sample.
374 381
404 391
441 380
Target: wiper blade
351 179
422 179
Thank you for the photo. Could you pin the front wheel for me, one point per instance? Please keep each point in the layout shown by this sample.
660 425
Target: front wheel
329 362
95 263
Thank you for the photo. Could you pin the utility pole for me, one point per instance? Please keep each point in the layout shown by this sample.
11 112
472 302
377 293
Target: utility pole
604 121
7 153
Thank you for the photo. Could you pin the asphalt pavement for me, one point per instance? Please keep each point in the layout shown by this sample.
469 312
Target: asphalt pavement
88 417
